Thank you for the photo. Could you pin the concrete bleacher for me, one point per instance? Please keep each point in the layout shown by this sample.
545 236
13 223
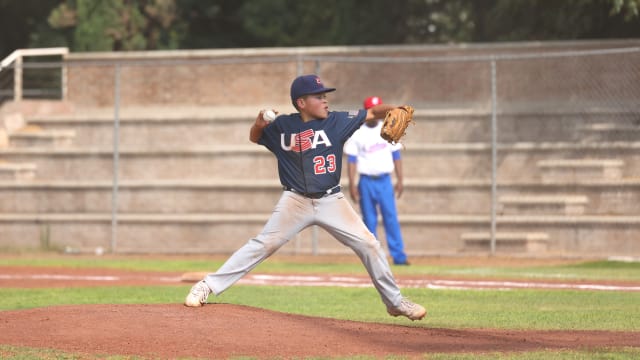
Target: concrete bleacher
626 131
189 181
543 204
529 242
34 136
17 171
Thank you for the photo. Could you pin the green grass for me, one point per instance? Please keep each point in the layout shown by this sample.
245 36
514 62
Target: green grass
515 309
523 309
8 352
546 355
587 270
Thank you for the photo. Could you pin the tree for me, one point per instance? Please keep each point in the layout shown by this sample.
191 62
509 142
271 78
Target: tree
335 22
522 20
629 8
91 25
20 19
117 25
212 24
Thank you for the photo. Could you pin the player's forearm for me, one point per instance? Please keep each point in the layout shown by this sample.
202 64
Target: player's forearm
258 127
379 111
352 173
255 133
398 170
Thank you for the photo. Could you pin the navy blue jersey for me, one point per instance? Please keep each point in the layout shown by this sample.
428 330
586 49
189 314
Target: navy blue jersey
310 153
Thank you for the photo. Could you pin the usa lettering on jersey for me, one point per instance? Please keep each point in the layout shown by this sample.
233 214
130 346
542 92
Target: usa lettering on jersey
308 139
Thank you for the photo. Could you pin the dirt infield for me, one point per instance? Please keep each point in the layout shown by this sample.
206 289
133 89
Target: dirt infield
226 330
223 330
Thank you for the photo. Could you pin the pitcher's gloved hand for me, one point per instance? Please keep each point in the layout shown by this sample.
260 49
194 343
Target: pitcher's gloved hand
396 123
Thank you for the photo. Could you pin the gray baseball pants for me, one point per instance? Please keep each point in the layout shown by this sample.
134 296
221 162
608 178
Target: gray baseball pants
292 214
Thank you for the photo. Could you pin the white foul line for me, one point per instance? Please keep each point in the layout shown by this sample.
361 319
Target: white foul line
342 281
345 281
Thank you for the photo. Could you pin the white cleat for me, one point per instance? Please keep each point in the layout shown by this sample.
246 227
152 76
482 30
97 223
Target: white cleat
409 309
198 294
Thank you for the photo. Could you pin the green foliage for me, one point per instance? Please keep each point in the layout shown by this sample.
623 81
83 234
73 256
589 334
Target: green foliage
517 20
212 24
20 19
116 25
334 22
630 8
91 25
291 23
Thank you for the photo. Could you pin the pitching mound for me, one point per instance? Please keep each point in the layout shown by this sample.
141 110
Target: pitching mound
224 330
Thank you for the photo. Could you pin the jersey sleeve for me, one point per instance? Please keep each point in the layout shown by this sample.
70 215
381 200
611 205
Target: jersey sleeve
354 119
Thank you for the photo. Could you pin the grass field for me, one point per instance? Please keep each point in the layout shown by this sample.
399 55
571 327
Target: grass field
455 309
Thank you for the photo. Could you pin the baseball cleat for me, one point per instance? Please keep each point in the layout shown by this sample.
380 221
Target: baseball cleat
409 309
198 294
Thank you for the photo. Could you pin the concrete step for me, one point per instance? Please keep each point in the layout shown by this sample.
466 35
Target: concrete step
17 171
557 126
530 242
611 131
153 133
543 204
440 196
475 126
35 136
507 242
213 163
580 168
152 127
167 197
223 233
517 162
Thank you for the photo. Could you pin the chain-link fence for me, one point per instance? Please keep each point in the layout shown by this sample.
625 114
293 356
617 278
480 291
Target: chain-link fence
516 150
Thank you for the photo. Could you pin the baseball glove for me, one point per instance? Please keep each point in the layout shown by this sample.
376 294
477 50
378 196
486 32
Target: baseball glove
396 123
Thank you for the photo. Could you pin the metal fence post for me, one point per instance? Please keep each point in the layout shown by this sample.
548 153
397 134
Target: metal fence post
17 79
314 229
116 140
494 153
64 72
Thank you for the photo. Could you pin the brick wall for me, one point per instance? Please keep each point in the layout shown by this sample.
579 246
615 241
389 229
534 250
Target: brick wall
239 77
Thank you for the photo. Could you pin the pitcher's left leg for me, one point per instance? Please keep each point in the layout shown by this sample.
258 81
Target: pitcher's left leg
335 214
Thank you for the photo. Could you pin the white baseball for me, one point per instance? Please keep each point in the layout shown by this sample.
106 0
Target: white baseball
269 115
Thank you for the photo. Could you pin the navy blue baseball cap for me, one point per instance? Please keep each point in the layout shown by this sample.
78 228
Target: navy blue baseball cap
307 85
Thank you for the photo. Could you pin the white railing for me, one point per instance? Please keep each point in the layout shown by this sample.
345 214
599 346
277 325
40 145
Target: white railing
16 58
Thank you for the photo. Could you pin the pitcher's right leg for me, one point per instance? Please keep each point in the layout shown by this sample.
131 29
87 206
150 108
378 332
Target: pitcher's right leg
292 214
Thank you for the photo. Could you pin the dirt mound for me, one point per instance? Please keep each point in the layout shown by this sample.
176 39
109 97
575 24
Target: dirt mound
224 330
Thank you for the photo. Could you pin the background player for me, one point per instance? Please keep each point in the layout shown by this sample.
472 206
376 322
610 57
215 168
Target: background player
308 146
374 159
